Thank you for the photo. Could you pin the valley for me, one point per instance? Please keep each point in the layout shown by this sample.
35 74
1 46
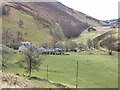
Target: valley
42 43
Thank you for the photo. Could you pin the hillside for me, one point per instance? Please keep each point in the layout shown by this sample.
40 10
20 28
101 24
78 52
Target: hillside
79 15
32 30
98 40
41 19
84 36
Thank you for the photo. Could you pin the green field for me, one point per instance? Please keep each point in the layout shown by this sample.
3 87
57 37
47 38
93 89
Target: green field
96 69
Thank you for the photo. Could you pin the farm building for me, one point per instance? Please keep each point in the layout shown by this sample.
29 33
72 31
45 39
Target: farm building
22 48
25 45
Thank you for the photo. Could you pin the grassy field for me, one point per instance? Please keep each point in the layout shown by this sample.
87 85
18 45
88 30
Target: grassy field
96 69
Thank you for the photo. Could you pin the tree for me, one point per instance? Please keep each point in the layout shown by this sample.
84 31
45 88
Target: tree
109 43
11 39
70 45
56 33
6 53
118 47
4 59
7 37
60 45
57 37
32 60
20 23
90 44
81 46
19 35
5 10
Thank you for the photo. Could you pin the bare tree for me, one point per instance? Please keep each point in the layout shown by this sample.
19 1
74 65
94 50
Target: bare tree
81 46
11 39
5 10
20 23
109 43
32 60
4 59
57 37
60 45
7 37
90 44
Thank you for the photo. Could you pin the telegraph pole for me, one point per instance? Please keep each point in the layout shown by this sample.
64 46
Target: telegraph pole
47 72
77 76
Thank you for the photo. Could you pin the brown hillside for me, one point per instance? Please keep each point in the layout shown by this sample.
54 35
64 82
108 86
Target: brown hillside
71 21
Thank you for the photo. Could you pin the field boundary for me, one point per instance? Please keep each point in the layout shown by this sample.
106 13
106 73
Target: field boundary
60 85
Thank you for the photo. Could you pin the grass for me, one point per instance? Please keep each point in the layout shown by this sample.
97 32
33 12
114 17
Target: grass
91 35
92 70
13 68
96 70
87 35
41 84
